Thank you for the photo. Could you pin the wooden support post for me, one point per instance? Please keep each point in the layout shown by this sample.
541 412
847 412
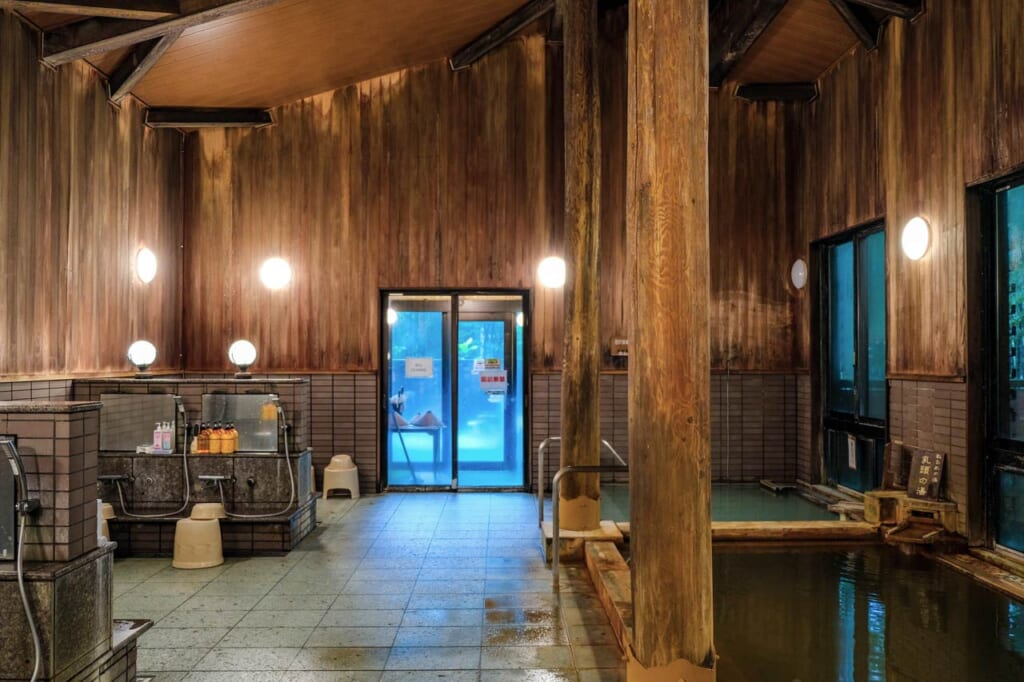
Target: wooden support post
670 370
581 375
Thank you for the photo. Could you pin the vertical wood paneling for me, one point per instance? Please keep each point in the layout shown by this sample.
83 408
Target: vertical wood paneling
902 132
753 244
83 186
423 178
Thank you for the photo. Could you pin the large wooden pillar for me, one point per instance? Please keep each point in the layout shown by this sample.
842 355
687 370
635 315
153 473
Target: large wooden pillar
669 363
581 428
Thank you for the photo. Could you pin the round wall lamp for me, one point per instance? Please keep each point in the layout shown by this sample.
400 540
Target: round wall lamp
142 354
520 319
242 355
798 273
392 317
915 238
275 273
145 265
551 272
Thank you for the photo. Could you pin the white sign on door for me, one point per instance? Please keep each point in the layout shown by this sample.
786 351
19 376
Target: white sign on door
494 381
851 452
419 368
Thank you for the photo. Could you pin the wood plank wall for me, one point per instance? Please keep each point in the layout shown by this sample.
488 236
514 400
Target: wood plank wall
903 132
424 178
83 186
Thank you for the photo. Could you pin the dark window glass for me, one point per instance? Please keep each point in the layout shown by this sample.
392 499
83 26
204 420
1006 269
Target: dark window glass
1010 207
871 351
1010 520
842 339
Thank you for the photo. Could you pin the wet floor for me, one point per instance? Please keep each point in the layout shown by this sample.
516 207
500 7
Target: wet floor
730 502
855 616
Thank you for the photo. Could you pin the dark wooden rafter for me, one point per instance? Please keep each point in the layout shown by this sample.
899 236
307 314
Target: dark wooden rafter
94 36
115 9
778 92
860 20
906 9
171 117
735 25
137 63
500 32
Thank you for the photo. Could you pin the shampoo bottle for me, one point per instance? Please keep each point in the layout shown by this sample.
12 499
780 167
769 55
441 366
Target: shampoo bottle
158 436
216 439
168 437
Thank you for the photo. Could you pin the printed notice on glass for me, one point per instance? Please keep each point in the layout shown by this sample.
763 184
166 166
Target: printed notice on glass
851 452
419 368
494 381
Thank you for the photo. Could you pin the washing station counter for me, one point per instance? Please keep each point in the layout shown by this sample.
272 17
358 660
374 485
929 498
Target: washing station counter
265 484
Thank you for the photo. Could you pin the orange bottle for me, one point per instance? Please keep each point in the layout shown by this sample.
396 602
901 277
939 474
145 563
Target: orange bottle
227 444
204 440
216 440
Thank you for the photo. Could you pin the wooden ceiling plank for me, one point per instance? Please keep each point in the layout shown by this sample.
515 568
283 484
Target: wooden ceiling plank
778 92
95 36
137 63
114 9
906 9
499 33
861 22
179 117
735 26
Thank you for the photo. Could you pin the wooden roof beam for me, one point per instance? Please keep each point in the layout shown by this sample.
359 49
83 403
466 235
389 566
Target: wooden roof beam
172 117
906 9
778 92
137 63
861 21
114 9
499 33
95 36
735 25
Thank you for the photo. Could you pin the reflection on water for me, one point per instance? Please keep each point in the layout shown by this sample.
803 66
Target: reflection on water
730 502
854 616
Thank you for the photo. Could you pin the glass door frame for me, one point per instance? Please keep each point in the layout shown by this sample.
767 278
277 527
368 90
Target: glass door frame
1000 454
861 427
452 333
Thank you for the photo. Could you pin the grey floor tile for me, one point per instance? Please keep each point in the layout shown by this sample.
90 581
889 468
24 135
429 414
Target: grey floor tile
434 658
523 635
305 602
173 659
243 637
442 618
190 618
438 636
362 618
341 637
428 675
175 638
526 657
235 602
348 659
369 602
528 676
265 659
287 619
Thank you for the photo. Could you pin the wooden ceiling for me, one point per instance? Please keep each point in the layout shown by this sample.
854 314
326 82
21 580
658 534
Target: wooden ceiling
265 53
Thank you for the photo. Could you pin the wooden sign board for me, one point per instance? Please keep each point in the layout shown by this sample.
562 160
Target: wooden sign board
926 475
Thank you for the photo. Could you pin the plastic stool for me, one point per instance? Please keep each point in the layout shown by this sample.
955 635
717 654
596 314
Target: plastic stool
106 513
197 544
341 474
205 511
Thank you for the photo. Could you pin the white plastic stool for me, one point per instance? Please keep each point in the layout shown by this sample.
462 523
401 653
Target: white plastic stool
197 544
341 474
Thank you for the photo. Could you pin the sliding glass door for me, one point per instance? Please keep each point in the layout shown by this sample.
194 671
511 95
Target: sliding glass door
454 380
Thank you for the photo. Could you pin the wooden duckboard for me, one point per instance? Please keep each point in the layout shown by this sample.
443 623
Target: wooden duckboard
788 531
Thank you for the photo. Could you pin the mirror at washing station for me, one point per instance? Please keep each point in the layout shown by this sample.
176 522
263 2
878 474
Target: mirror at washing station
128 420
255 416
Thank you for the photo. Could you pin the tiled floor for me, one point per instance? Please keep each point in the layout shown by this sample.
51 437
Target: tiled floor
394 587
